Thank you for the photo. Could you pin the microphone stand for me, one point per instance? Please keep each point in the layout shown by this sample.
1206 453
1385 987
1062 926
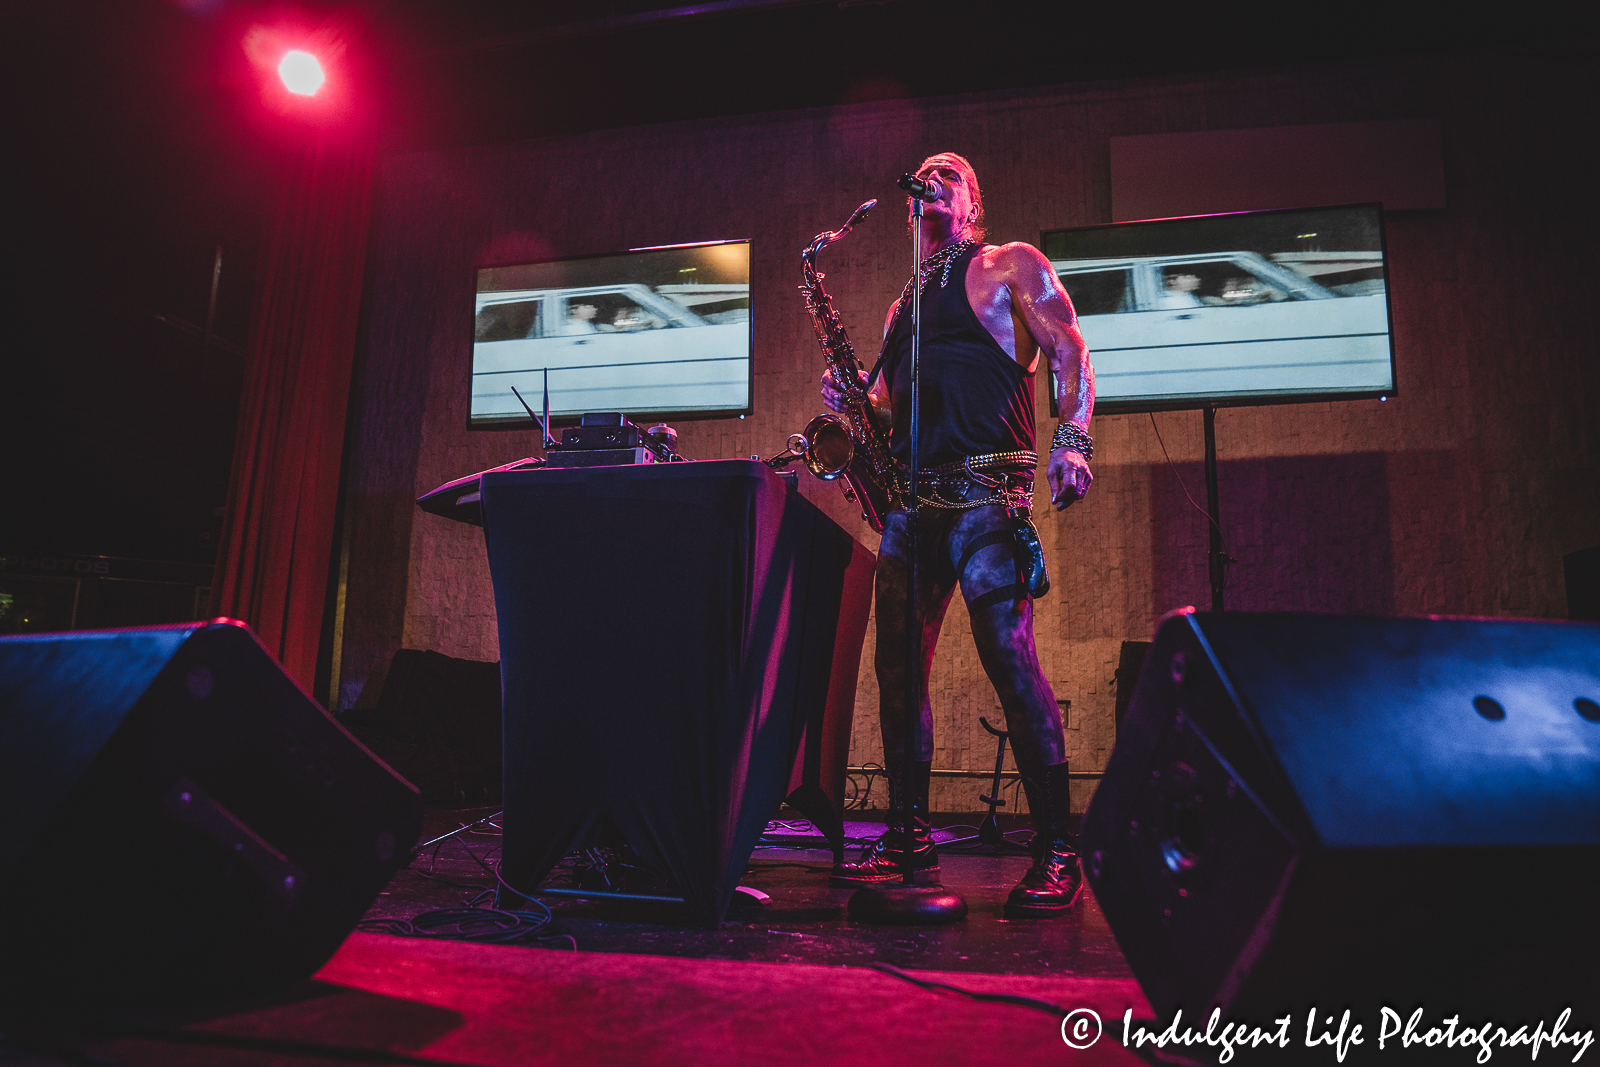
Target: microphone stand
908 904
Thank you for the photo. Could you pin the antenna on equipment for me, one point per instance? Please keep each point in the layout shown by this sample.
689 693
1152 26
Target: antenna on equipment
546 439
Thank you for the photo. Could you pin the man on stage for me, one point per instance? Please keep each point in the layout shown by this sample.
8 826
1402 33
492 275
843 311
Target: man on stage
990 314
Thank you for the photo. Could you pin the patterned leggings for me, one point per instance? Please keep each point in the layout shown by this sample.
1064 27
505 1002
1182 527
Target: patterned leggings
1003 636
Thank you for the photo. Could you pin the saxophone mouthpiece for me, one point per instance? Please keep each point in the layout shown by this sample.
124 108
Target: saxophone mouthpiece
860 213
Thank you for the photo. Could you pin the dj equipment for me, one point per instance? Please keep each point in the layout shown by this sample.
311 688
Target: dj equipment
1340 811
180 819
600 457
616 435
602 439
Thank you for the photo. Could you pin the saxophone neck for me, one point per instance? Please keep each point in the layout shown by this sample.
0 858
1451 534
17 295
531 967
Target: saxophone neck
828 237
813 280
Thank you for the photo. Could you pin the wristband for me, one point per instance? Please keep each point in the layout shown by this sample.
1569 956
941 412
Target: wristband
1069 436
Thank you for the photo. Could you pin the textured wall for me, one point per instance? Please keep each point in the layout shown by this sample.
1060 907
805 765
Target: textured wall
1459 495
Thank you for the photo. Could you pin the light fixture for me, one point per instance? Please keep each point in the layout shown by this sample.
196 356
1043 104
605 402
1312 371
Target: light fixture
301 73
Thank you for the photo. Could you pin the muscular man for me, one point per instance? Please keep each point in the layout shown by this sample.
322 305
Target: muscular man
990 314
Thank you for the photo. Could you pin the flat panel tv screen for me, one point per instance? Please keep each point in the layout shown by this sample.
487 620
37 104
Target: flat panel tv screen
1214 310
654 331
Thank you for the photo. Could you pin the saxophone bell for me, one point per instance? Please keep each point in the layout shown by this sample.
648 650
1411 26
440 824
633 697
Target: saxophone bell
825 445
829 446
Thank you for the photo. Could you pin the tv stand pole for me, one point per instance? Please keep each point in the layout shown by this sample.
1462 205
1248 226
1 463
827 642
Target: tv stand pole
1218 559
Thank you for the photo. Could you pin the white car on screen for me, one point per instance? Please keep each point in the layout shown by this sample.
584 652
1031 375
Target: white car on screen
605 345
1226 324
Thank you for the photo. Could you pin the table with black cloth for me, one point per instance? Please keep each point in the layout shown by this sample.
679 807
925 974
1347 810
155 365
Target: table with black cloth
678 651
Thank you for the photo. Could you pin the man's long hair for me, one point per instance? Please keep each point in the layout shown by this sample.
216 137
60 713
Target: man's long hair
977 230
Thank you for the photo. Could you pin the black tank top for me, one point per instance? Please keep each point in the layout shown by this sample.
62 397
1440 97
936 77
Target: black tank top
975 398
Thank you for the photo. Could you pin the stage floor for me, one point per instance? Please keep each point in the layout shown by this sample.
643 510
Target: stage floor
806 920
621 983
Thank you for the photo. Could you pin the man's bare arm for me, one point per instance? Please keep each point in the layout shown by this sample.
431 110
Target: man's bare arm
1042 311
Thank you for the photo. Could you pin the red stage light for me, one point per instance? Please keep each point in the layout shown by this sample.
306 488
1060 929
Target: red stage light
301 73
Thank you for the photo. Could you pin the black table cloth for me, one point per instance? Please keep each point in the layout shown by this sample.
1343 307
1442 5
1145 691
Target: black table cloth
670 638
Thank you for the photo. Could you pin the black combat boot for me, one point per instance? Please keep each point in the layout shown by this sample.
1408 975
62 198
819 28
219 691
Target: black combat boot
881 862
1055 881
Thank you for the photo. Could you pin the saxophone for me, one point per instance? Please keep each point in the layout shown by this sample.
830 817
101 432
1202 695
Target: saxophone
853 446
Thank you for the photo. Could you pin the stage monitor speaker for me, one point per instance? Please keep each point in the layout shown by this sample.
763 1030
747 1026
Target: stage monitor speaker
179 819
1356 812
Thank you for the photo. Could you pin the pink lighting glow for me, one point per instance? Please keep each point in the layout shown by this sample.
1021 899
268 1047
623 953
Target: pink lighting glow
301 73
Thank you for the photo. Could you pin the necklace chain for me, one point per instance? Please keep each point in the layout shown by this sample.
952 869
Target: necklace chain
940 261
943 260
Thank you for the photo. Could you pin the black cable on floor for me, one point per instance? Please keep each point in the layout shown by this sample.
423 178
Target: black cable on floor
445 881
993 998
972 846
475 922
491 926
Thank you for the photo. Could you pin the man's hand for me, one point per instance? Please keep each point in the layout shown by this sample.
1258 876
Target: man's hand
1069 477
832 398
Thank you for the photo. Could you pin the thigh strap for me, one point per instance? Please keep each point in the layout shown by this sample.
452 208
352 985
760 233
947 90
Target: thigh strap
1013 592
984 540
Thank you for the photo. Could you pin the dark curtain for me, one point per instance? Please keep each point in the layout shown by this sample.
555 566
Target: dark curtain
272 563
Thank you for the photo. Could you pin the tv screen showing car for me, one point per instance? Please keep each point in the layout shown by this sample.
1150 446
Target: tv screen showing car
1214 310
657 331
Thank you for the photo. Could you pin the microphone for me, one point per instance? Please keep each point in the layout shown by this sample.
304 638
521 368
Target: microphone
928 188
